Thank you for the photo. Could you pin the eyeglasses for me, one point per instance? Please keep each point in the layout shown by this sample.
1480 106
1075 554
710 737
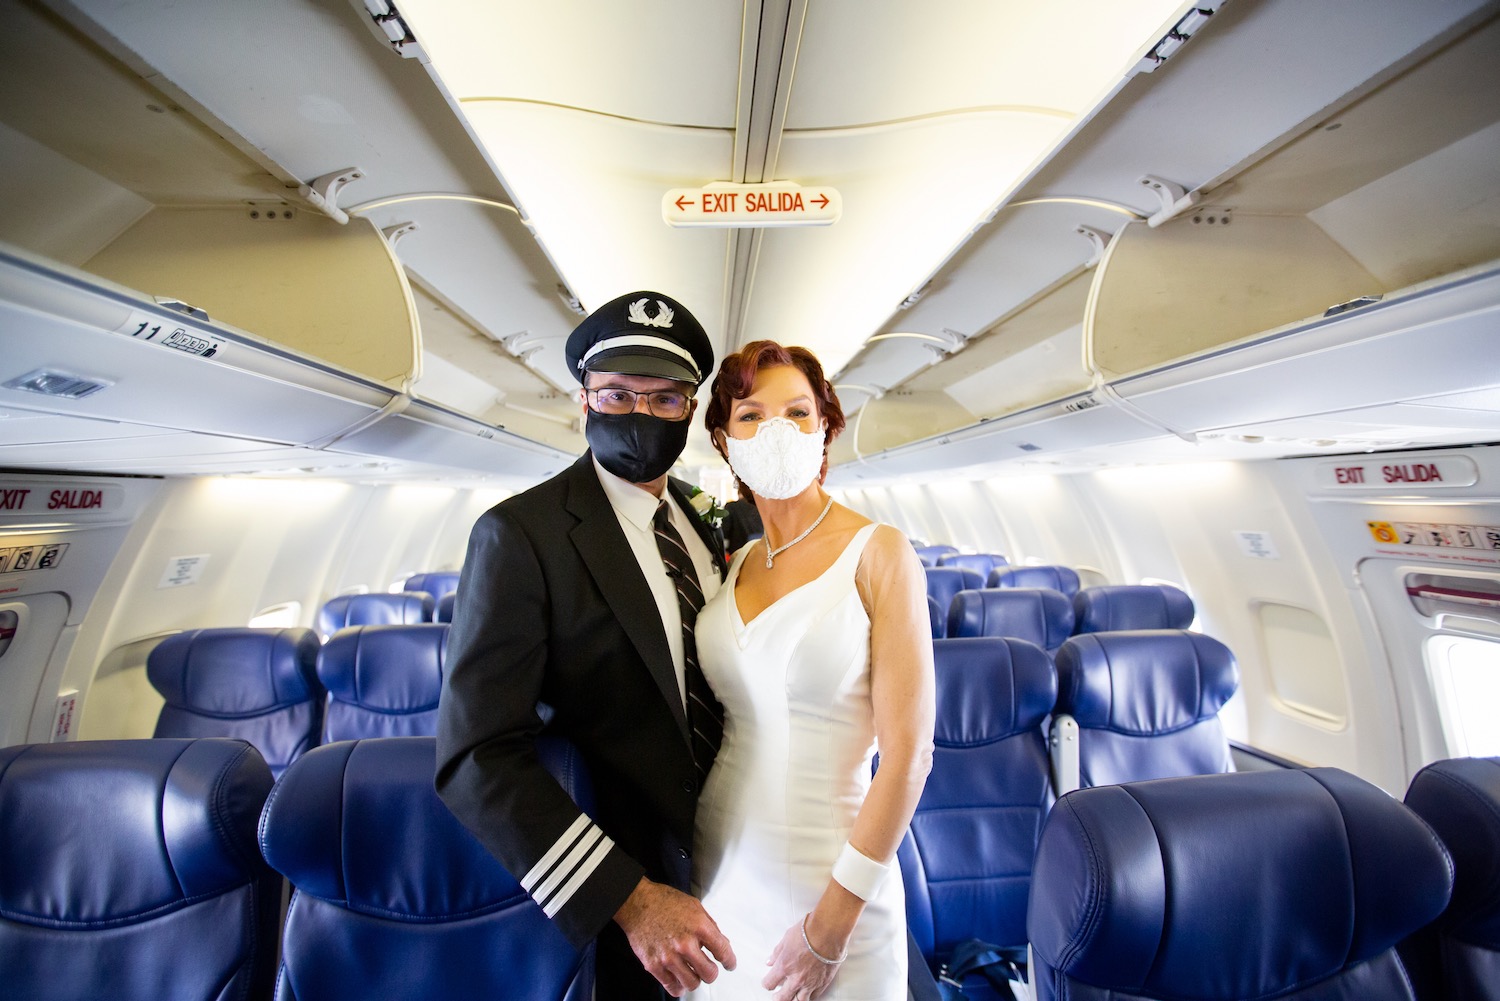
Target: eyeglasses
666 404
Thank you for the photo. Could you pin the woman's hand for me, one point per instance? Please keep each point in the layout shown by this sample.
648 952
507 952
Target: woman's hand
796 974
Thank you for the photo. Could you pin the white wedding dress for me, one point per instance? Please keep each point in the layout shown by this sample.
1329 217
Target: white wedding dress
799 736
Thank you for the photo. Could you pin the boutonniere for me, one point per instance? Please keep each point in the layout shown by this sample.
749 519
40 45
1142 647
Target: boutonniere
706 506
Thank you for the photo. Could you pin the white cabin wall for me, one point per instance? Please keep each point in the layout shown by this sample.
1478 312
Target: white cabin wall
266 542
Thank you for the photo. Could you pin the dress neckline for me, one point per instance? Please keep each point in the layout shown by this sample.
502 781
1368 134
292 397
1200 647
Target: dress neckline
740 624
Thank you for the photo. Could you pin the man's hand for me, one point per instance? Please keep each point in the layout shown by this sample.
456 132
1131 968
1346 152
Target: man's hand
669 931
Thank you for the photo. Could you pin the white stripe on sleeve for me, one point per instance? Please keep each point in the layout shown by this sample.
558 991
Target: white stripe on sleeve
584 871
554 853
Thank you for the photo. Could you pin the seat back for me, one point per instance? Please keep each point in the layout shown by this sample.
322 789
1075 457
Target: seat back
383 681
1116 607
444 612
966 859
938 618
130 871
260 685
1458 956
393 897
944 582
929 554
436 583
1292 884
1146 703
980 563
398 608
1057 578
1034 614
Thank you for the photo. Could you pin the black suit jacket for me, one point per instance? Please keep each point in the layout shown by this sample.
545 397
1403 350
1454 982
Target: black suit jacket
552 608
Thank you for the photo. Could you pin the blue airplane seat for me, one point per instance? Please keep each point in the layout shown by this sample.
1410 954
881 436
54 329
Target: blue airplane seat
1146 704
259 685
1458 955
383 681
938 618
1116 607
1057 578
444 611
131 872
981 563
929 554
398 608
966 859
393 897
1286 884
1035 614
436 583
945 582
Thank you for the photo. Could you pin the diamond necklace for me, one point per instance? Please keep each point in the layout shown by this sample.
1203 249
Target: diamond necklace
781 549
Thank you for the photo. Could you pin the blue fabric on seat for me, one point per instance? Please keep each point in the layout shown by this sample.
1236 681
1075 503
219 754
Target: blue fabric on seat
131 872
966 859
383 681
937 618
1458 956
393 897
397 609
1147 703
1131 606
981 563
944 582
1035 614
1292 884
436 583
1057 578
929 554
445 604
259 685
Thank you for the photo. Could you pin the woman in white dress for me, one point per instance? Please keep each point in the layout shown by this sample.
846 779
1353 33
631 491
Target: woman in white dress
819 649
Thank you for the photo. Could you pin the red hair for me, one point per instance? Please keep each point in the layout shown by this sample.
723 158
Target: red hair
737 375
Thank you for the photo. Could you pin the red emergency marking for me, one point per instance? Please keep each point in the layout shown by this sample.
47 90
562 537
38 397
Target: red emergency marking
11 500
6 632
1417 472
1349 474
75 500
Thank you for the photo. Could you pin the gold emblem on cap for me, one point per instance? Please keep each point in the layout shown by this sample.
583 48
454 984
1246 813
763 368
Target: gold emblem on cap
663 317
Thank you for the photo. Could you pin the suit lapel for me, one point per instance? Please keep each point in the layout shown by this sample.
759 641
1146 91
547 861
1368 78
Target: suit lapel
611 562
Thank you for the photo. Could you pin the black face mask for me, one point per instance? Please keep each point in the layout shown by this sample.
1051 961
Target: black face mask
635 447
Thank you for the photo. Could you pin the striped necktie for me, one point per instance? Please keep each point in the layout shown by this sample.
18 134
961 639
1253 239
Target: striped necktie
705 715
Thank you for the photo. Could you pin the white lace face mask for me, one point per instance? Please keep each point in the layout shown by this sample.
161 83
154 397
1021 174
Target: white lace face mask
779 460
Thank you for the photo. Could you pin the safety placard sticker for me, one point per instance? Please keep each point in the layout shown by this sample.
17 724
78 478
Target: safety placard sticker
23 558
1409 533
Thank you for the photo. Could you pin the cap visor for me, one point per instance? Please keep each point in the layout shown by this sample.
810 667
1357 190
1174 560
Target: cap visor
639 361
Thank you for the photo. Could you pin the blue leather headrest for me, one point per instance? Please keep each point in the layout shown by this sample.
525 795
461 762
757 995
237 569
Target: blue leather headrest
103 830
1057 578
357 823
929 554
436 583
1036 614
980 563
1131 606
1146 682
1230 886
990 688
400 608
444 611
944 582
937 618
1460 798
235 672
396 669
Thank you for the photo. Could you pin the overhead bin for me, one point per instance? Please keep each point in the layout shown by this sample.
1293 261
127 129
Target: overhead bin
98 377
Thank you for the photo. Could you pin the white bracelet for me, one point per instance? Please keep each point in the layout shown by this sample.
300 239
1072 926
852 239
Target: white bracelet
859 874
815 953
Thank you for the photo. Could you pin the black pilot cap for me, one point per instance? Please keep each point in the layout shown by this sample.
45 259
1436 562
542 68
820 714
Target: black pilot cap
643 333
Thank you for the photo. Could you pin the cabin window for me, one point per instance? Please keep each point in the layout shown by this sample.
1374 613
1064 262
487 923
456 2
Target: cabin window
286 615
1307 674
1465 674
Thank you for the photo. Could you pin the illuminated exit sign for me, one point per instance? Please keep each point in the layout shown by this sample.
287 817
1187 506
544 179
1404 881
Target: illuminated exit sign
748 205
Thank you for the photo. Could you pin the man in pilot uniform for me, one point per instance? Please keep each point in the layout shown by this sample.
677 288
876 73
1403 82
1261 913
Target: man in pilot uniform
567 598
